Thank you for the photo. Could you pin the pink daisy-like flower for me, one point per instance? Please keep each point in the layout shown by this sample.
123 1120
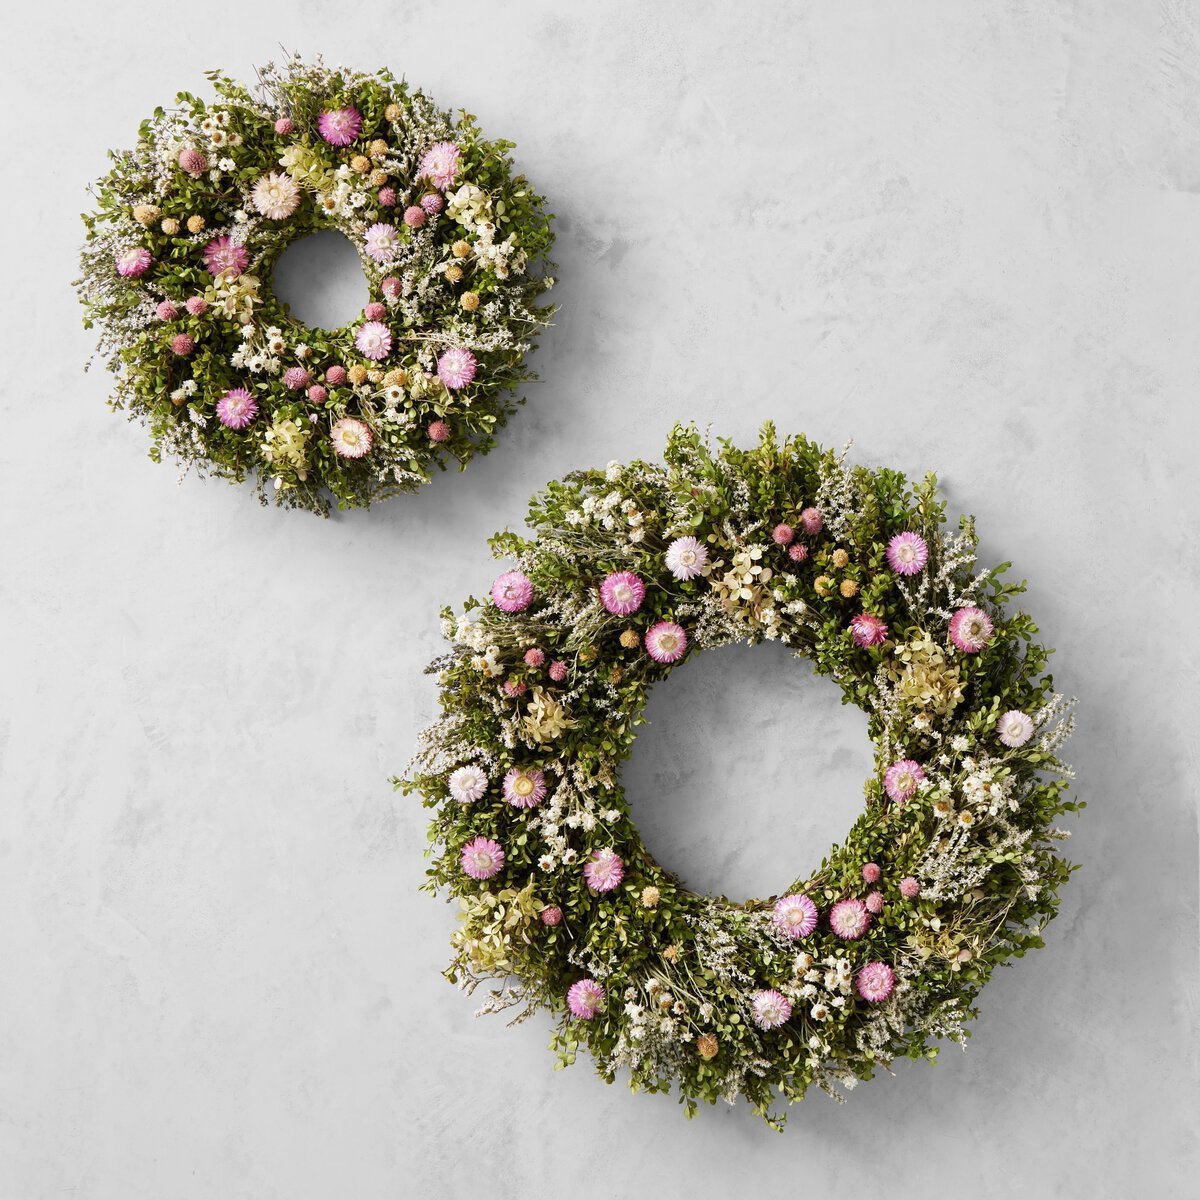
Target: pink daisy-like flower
381 242
970 630
351 438
182 344
276 196
622 593
666 642
524 788
797 552
871 872
467 784
585 998
874 903
317 394
374 340
134 262
223 257
296 378
795 916
339 126
849 919
456 368
868 630
196 305
415 216
557 671
875 982
1014 729
910 889
236 409
284 126
902 778
551 915
771 1008
375 311
482 858
438 431
686 558
512 591
439 164
432 203
534 657
192 161
387 197
604 871
167 310
390 287
335 376
812 520
783 534
907 553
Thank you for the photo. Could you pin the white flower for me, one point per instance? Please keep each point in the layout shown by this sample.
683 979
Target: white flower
468 783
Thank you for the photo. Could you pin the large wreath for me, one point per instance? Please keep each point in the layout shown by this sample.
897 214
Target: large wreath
190 223
950 870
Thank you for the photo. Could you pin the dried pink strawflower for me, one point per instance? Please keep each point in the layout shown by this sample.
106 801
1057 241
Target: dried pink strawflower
795 916
134 262
512 591
666 642
482 858
849 919
622 593
902 779
585 998
868 630
339 126
970 630
875 982
907 553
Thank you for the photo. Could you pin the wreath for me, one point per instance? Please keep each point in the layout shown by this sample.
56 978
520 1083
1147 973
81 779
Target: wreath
950 870
189 224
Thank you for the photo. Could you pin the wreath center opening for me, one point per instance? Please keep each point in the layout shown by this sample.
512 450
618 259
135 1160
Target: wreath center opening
320 278
748 770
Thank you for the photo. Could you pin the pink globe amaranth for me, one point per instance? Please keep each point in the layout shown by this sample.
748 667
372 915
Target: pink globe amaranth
387 197
512 591
438 431
133 262
797 552
666 642
224 257
236 409
871 872
971 630
432 203
534 657
317 394
390 287
783 534
557 671
340 126
849 919
603 871
482 858
414 216
812 520
182 344
374 340
585 998
456 367
874 903
770 1008
622 593
901 780
551 915
167 310
196 305
910 889
192 161
284 126
514 688
875 982
335 376
907 553
868 630
375 311
295 378
795 916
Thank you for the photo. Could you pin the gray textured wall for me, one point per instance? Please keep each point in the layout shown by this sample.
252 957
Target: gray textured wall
966 234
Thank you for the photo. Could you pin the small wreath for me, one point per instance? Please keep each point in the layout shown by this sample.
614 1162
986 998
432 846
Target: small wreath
950 870
189 224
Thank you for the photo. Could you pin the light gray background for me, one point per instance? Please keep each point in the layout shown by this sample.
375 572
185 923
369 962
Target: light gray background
967 235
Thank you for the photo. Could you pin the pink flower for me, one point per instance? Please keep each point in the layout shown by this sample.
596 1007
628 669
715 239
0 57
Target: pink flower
557 671
134 262
797 552
551 915
771 1008
512 591
534 657
871 872
414 216
524 788
874 903
907 553
783 534
849 919
387 197
193 162
604 871
167 310
795 916
686 558
236 409
317 394
432 203
390 287
468 784
585 998
182 344
438 431
381 242
196 305
439 164
351 438
374 340
295 378
456 368
622 593
910 889
482 858
223 257
514 688
284 126
335 376
875 982
868 630
902 778
666 642
375 311
812 520
1014 729
970 630
339 126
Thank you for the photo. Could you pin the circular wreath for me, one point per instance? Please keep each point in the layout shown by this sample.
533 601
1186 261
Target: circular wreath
189 224
949 871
